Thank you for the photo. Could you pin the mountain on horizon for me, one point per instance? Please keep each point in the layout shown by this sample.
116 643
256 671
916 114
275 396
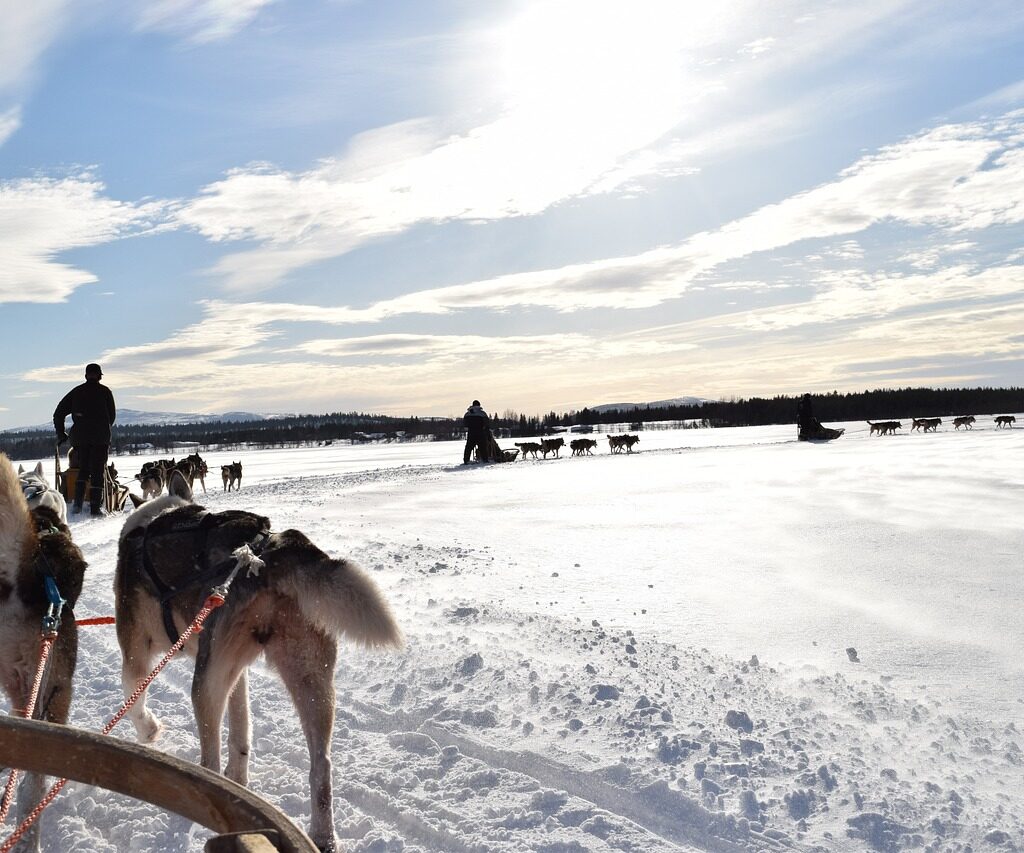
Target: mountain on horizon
675 401
134 417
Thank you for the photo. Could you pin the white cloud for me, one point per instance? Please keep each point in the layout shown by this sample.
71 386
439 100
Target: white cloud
859 296
956 177
10 121
42 217
200 20
28 30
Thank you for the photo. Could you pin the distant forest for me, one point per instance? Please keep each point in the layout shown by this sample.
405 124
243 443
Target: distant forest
318 429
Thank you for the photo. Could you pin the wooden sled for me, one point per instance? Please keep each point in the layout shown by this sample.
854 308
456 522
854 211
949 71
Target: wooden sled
248 823
495 453
114 494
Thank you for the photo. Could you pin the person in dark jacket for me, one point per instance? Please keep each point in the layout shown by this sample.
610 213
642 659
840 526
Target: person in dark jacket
91 406
477 426
808 426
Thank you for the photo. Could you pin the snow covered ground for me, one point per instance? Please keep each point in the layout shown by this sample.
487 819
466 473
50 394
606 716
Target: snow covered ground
641 652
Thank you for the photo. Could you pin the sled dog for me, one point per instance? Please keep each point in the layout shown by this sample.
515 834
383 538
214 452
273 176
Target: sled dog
551 445
35 543
1005 421
152 480
966 421
581 446
885 427
199 470
528 447
38 492
618 443
290 606
232 476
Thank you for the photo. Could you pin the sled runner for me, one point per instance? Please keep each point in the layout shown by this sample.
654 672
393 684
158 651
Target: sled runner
114 494
821 434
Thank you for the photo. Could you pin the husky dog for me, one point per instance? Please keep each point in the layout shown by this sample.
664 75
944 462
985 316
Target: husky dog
33 544
884 427
199 470
551 445
581 446
966 421
1005 421
618 443
232 476
528 447
152 479
38 492
171 552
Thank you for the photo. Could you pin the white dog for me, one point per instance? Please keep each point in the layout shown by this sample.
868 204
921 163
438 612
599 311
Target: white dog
38 492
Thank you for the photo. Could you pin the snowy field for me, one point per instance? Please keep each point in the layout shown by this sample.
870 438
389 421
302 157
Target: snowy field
641 652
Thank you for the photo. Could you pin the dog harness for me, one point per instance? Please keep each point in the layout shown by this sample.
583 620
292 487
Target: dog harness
199 525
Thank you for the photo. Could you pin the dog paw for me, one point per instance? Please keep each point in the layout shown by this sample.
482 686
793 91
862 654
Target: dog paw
148 728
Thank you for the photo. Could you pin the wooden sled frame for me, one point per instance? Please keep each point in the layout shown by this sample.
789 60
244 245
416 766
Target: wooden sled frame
246 822
114 494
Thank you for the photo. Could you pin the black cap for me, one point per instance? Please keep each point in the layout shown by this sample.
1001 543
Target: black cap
476 402
93 368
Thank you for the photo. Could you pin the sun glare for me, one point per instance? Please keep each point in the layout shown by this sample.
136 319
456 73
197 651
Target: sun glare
585 56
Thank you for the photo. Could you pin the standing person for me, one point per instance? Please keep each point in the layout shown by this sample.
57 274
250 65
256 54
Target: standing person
91 406
807 425
477 424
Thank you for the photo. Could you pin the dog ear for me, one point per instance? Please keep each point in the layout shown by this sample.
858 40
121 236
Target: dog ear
21 469
178 486
39 469
136 500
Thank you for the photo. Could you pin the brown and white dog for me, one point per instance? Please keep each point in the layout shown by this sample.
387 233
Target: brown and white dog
528 447
551 445
885 427
33 544
926 424
581 446
231 475
966 421
290 607
199 469
1005 421
618 443
38 491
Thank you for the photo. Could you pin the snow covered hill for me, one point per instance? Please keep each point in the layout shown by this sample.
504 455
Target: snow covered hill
641 652
675 401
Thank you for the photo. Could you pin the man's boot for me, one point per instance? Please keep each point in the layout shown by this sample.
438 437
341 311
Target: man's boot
96 501
80 486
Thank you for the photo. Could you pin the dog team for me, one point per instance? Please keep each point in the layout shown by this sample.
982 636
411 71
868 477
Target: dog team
579 446
290 605
932 424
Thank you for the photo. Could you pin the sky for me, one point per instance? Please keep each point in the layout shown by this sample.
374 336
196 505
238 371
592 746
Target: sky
397 207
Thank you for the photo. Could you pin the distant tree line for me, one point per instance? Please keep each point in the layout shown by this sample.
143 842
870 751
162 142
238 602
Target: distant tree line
294 430
879 404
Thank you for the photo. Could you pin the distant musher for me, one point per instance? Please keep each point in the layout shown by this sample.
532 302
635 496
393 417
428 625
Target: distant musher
809 428
478 432
91 406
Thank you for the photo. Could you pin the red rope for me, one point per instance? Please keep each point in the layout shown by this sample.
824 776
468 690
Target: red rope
27 712
96 620
213 601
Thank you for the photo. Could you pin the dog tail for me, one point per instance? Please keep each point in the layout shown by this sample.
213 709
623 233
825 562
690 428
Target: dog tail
340 598
17 535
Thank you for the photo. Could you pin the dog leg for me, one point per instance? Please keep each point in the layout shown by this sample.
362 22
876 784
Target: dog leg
239 732
214 679
136 661
305 661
